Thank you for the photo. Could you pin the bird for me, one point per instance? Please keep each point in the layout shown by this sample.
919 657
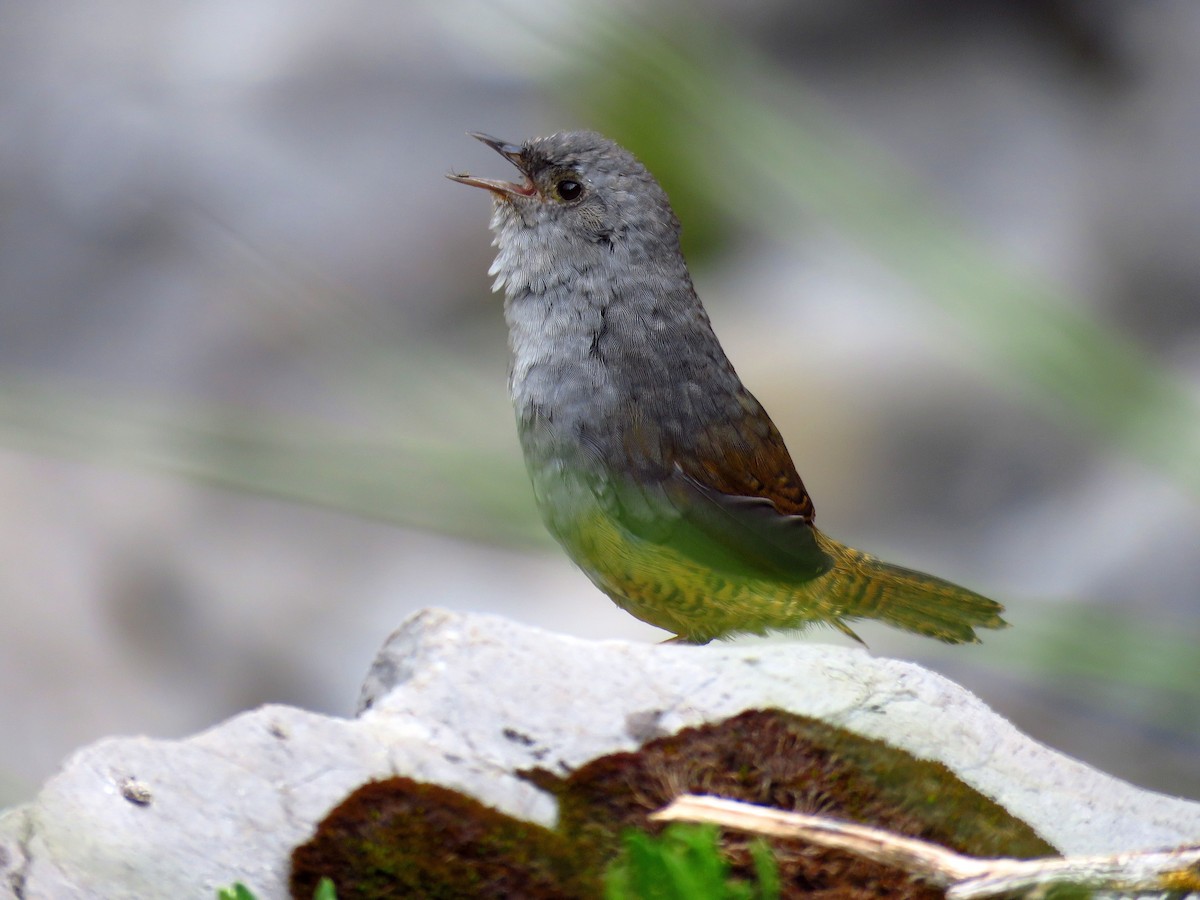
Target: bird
658 472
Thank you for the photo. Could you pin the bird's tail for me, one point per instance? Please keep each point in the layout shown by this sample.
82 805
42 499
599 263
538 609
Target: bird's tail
862 587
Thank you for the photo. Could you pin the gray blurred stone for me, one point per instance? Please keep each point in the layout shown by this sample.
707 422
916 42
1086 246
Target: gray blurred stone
466 701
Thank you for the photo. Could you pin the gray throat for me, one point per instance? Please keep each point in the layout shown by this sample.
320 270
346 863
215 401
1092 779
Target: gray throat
604 339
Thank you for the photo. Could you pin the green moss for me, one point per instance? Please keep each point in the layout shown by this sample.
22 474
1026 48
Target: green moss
399 838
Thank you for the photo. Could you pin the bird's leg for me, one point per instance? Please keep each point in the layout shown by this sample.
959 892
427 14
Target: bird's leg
848 631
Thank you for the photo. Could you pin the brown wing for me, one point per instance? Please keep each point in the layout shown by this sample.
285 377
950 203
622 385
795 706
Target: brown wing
742 505
746 457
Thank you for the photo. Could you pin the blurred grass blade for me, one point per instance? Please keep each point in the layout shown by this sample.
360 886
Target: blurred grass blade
1108 645
449 486
1114 662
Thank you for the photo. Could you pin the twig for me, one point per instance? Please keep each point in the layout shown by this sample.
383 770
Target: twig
963 877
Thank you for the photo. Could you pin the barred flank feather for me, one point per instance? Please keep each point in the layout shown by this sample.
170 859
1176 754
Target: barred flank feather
863 587
699 603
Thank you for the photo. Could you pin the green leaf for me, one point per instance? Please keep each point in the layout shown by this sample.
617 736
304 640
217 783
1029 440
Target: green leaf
766 870
684 863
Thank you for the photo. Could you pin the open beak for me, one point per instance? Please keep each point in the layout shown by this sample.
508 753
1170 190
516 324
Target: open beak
500 188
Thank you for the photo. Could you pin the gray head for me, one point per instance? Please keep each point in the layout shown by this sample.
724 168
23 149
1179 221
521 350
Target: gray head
586 208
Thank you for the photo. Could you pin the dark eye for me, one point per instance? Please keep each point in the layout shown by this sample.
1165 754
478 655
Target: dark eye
569 190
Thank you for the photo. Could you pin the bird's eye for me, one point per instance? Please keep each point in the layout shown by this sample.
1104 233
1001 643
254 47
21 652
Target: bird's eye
568 189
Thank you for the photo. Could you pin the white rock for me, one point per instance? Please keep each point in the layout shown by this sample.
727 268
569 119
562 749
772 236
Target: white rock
465 701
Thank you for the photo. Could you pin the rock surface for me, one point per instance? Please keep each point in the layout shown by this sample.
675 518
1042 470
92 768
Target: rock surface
465 701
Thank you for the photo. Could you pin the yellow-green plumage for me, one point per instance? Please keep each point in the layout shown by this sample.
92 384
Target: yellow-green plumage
674 591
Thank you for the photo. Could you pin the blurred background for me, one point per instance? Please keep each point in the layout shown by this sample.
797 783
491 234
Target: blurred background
252 381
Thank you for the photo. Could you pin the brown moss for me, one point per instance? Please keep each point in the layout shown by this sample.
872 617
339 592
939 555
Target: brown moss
400 838
791 762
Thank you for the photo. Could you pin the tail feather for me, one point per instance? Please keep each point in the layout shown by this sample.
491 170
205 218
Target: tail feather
862 587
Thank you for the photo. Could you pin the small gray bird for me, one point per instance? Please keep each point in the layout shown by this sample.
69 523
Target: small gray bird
658 472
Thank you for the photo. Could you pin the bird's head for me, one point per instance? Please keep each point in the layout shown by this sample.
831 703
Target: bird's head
583 203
